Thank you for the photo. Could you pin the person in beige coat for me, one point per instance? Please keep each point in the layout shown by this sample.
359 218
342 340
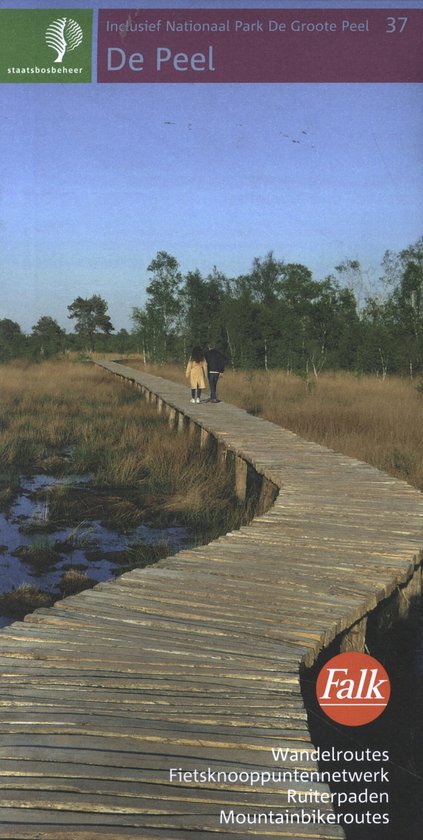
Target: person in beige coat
196 372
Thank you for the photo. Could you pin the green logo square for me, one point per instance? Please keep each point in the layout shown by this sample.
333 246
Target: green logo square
46 45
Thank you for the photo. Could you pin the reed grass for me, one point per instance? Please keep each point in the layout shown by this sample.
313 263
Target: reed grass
42 555
140 554
74 581
24 599
74 420
79 420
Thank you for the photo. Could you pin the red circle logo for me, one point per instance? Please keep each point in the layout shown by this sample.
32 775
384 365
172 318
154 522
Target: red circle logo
353 689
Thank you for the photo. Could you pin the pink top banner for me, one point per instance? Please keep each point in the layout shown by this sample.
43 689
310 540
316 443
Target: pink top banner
260 45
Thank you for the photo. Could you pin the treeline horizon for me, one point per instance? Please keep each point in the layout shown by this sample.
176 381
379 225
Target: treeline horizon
275 316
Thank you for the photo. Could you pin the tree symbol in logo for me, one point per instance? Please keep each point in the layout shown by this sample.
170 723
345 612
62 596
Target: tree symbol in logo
63 35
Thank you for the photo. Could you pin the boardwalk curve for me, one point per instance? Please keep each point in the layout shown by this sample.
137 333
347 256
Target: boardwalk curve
193 664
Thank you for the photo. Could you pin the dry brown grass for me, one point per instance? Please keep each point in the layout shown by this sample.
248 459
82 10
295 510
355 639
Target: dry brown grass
74 581
19 602
104 428
375 420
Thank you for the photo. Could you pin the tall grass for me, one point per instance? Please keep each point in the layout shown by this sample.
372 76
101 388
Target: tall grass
376 420
77 419
24 599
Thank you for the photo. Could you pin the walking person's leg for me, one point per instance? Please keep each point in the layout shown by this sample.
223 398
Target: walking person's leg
213 377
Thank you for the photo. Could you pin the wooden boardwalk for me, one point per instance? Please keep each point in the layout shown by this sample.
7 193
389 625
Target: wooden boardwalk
193 663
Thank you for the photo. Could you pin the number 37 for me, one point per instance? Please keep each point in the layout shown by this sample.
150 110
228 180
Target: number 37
396 24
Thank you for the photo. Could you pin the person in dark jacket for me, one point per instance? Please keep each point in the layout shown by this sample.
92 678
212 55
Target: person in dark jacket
215 367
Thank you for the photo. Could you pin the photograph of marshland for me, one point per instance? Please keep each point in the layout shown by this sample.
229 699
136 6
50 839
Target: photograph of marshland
93 483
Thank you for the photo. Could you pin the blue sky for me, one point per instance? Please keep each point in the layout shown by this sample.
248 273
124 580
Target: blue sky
95 179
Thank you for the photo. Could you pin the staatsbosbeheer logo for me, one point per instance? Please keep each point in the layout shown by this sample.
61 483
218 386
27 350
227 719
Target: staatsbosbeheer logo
46 45
63 35
353 688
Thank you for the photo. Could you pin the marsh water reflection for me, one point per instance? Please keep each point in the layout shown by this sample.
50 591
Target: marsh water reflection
36 549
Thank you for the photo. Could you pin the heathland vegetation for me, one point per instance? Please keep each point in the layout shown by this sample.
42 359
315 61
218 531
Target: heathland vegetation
67 419
113 459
